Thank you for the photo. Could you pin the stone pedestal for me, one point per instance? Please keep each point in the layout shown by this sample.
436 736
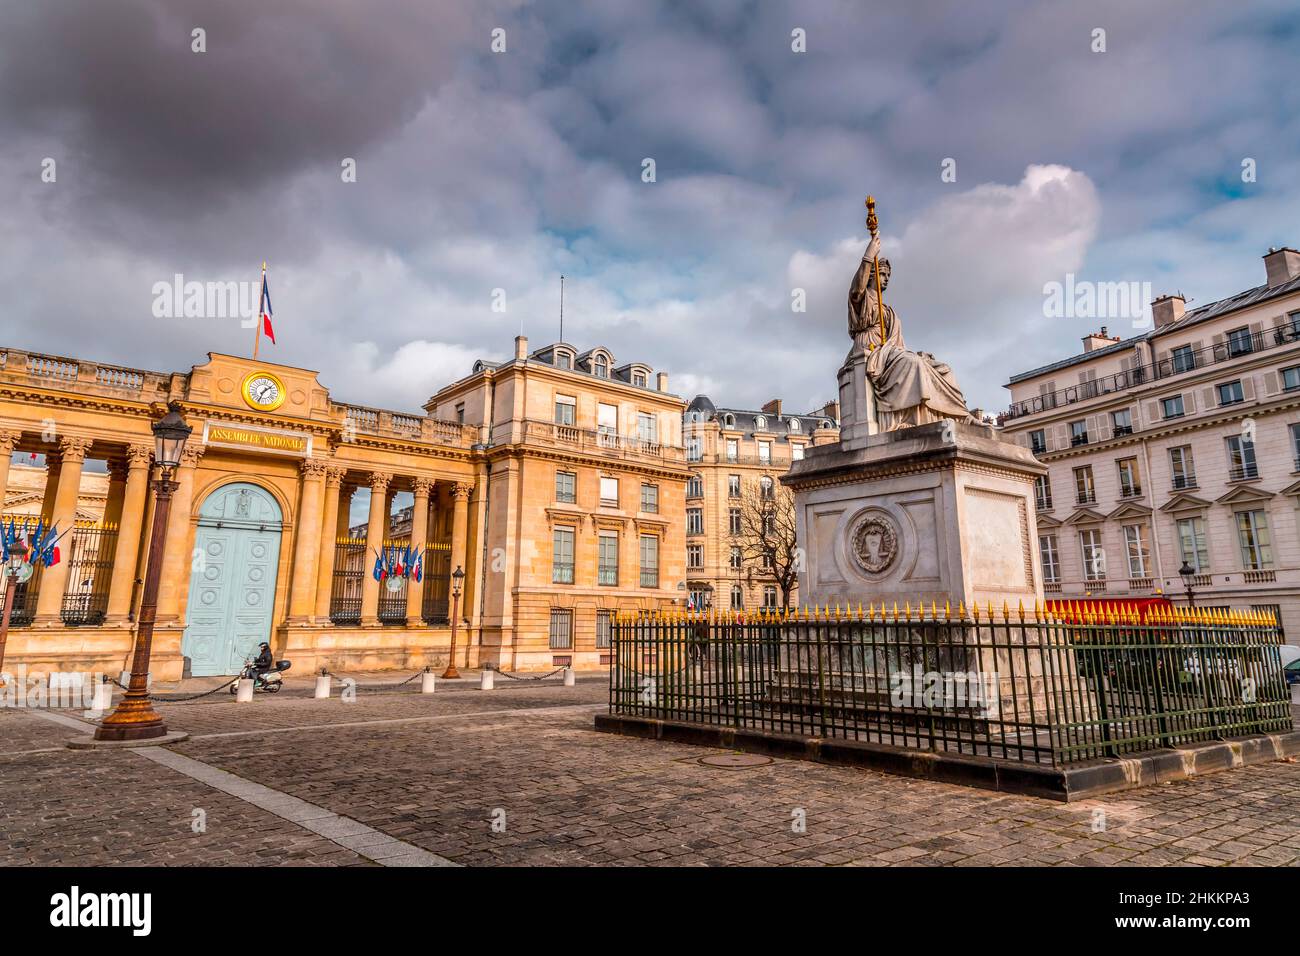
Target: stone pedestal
942 512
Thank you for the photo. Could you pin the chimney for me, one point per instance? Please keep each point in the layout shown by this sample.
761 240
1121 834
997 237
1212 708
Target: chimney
661 381
1098 340
1168 308
773 407
1281 265
830 410
521 346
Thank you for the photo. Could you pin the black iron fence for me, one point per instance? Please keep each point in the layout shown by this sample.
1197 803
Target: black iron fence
393 589
89 551
435 606
349 578
1052 688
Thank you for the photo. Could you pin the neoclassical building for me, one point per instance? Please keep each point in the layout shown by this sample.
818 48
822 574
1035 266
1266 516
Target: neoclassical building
1179 444
730 451
260 543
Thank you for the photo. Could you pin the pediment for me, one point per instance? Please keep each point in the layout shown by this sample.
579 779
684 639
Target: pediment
1291 489
1244 494
1184 502
1085 516
1047 521
1130 509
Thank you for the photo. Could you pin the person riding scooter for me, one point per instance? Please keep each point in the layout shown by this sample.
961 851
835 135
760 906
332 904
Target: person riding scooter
263 663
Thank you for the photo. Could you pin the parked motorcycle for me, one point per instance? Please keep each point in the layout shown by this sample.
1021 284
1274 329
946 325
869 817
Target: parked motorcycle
271 681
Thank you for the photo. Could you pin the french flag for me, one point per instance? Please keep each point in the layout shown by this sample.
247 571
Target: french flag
265 307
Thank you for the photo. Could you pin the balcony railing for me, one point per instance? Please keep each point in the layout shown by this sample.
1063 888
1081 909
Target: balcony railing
1184 482
599 442
1243 472
1086 497
1167 367
422 428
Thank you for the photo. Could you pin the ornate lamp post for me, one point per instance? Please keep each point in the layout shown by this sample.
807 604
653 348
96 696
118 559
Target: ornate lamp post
457 579
135 718
13 570
1188 574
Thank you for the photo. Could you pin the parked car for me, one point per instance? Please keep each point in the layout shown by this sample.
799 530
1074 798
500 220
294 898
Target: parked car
1292 672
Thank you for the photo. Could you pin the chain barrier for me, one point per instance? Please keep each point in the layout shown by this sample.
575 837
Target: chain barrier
369 688
169 699
558 670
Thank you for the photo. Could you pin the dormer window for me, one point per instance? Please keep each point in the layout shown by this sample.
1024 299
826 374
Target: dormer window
638 378
760 423
602 367
729 421
794 424
563 360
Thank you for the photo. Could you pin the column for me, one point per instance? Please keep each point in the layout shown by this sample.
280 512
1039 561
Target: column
127 556
375 531
307 535
64 515
419 536
328 538
8 439
53 468
460 492
177 559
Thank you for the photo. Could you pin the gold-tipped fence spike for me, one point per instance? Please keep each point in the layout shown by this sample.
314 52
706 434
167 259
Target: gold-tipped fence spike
1021 611
947 610
907 609
961 609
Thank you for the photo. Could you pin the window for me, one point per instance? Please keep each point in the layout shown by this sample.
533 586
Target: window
695 521
608 492
604 624
649 561
602 367
1241 458
1123 421
566 408
737 560
733 449
733 486
1172 407
1291 378
607 567
561 629
562 560
1136 547
1253 536
1183 467
765 487
1094 555
694 448
700 599
1295 444
563 360
460 413
765 453
1130 485
638 378
1239 341
1051 559
647 427
1230 393
1084 491
760 423
1079 433
566 487
606 425
737 597
794 424
769 596
1184 359
796 451
733 520
695 487
1043 492
1038 441
650 498
695 555
1191 544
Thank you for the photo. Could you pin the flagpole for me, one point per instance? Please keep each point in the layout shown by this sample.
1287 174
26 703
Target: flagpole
261 295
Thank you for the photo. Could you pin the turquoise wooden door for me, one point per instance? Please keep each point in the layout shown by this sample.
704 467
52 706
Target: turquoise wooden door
232 581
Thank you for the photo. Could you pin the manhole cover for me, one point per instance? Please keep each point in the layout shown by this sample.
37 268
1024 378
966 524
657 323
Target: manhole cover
735 761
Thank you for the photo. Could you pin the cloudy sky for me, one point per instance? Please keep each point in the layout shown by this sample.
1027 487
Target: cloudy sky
480 170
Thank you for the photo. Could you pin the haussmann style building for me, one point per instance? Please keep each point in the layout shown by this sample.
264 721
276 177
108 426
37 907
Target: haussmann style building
1176 449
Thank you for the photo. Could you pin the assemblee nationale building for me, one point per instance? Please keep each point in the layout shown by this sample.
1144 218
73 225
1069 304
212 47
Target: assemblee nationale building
560 482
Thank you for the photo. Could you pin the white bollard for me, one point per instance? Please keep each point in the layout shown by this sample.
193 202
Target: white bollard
485 679
244 690
103 699
427 680
569 677
323 687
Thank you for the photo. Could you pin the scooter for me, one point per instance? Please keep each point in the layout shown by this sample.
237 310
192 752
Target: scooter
271 681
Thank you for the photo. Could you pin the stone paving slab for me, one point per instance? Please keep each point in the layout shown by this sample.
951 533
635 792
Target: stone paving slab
567 794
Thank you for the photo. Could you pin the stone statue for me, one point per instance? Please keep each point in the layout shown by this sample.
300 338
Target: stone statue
911 388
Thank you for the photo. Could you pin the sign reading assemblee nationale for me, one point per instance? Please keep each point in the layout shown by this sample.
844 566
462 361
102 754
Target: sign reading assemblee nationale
249 438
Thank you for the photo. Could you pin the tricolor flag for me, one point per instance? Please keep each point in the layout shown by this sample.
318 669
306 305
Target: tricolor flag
265 307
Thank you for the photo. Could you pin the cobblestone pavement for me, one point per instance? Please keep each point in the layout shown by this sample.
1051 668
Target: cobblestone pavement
438 772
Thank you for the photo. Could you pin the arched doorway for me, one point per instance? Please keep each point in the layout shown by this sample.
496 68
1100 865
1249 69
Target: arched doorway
232 578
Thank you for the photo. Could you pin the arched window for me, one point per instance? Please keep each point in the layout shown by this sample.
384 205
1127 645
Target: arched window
737 597
602 367
760 422
794 424
765 486
729 420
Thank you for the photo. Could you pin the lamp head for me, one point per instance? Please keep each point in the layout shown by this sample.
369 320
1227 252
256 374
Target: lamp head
169 435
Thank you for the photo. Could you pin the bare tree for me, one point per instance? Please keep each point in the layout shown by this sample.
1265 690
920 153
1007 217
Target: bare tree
766 535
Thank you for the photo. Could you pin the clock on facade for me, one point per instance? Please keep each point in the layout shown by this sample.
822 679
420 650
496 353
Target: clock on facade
263 391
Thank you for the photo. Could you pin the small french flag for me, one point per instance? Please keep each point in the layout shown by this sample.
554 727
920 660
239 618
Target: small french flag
265 307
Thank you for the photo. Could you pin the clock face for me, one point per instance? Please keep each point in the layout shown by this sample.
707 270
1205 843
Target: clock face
263 391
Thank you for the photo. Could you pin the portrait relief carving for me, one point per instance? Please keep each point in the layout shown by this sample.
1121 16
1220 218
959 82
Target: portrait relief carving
874 542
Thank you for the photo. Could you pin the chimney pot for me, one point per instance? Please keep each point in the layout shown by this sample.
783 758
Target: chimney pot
1167 309
661 381
1281 266
521 346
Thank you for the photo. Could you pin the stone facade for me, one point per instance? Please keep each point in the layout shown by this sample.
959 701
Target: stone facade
1178 444
729 450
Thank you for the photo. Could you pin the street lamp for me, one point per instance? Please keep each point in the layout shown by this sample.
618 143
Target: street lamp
135 718
14 567
457 579
1188 574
